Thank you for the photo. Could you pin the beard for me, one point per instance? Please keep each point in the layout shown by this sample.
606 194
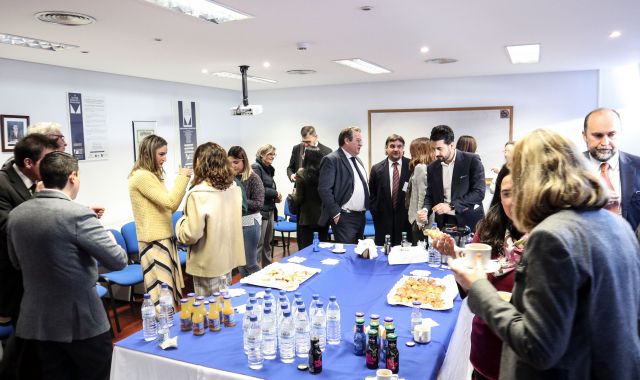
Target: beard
602 155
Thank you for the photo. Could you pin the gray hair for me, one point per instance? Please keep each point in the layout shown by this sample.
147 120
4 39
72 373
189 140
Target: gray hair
44 127
265 149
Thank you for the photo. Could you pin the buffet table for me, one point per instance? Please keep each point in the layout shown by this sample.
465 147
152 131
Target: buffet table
360 285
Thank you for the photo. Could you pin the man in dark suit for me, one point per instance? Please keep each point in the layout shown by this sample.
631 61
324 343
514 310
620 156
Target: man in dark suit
455 183
388 182
18 178
343 188
620 171
61 313
309 138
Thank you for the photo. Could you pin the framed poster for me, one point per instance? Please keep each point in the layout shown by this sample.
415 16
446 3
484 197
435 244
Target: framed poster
141 129
14 128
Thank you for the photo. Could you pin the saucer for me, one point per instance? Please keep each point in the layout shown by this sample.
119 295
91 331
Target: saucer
336 250
491 267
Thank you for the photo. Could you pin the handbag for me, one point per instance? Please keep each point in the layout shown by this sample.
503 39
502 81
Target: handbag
293 205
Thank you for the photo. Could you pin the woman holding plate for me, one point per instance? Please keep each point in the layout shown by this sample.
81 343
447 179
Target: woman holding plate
575 304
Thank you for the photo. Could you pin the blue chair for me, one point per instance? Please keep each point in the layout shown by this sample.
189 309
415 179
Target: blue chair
182 249
287 225
5 331
128 232
130 276
369 229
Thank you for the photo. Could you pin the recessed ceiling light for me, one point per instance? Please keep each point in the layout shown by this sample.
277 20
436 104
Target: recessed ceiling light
11 39
85 52
203 9
64 18
205 71
424 50
524 53
301 72
615 34
366 8
158 39
266 64
224 74
441 61
362 65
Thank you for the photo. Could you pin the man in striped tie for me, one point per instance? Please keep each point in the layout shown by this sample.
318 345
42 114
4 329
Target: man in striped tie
387 183
620 171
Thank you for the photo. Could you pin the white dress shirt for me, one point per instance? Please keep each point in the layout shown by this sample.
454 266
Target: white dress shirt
26 180
614 173
447 176
356 202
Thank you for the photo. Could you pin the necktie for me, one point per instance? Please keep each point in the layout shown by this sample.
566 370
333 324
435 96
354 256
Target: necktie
395 188
614 201
364 183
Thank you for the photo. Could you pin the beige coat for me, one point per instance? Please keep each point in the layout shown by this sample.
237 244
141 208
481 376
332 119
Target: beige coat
212 228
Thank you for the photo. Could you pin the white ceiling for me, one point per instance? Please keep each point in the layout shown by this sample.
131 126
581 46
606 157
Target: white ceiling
573 33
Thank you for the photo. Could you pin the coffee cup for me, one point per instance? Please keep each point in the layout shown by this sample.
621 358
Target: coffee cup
422 333
472 249
339 247
385 374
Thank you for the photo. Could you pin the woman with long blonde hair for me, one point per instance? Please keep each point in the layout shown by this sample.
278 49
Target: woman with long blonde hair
575 304
153 206
212 222
422 154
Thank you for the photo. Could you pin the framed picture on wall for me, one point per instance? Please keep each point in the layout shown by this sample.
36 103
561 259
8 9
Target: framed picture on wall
14 128
141 129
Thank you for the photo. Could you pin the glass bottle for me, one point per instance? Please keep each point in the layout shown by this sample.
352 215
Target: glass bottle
372 353
391 354
359 338
315 356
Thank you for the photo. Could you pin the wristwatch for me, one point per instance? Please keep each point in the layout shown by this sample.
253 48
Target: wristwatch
452 207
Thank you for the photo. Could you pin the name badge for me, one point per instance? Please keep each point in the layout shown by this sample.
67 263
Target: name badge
405 186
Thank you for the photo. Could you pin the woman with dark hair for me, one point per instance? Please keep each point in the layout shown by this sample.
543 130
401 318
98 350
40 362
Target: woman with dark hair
251 219
307 198
153 206
212 221
467 144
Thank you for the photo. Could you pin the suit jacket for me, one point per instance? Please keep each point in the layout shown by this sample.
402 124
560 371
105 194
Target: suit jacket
380 200
56 242
336 184
12 193
467 189
575 304
295 162
630 187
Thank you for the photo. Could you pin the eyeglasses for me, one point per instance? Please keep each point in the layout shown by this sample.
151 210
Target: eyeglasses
271 154
56 137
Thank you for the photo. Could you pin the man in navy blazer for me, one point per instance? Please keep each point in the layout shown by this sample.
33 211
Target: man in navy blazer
56 243
619 170
455 183
309 138
343 188
387 196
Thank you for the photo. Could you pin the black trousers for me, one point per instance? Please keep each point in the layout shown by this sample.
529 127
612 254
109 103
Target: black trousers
350 227
305 235
87 359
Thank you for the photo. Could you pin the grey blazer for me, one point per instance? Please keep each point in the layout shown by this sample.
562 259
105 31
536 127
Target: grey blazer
575 306
336 184
56 242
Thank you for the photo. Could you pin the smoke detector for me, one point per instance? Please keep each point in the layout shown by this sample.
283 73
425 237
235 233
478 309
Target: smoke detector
302 46
64 18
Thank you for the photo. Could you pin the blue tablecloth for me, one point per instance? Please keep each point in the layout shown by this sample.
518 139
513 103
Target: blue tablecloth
360 285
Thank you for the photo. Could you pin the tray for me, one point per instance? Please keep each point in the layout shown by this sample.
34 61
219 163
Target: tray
285 276
448 294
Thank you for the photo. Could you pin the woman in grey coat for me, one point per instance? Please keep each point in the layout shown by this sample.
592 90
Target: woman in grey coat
575 306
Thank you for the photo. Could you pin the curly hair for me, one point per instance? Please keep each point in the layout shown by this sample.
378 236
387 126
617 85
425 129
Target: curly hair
210 164
147 155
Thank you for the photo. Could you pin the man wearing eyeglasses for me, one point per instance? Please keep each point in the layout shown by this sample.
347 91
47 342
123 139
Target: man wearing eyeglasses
309 138
51 130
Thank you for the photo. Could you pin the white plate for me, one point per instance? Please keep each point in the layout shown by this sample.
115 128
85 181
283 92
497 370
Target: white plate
336 250
492 267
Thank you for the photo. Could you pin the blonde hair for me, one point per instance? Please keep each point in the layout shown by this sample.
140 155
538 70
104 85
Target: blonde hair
44 127
210 164
147 155
550 175
421 152
265 149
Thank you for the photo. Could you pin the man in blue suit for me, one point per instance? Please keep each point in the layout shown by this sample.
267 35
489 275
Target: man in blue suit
620 171
455 183
343 188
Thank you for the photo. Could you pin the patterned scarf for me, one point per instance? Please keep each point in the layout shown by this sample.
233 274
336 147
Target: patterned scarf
511 253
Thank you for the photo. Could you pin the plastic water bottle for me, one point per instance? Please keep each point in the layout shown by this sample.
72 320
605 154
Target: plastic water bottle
303 333
435 258
297 306
313 305
287 338
257 308
149 326
246 322
316 242
416 315
166 304
333 321
319 325
254 344
269 339
284 294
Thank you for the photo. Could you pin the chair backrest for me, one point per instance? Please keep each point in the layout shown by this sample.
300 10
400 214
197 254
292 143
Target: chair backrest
119 239
174 218
368 217
130 237
291 217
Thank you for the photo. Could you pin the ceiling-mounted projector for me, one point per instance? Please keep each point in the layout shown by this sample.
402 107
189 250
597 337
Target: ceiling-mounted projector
245 108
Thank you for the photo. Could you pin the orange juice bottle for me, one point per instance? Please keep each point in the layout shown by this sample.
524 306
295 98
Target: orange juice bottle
185 315
214 315
197 319
192 299
228 315
220 298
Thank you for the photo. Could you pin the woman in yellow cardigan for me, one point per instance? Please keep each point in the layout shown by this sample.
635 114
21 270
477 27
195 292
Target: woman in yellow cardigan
153 206
212 221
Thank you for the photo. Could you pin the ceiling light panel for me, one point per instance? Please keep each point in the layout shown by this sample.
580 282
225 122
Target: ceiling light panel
524 53
362 65
203 9
225 74
11 39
